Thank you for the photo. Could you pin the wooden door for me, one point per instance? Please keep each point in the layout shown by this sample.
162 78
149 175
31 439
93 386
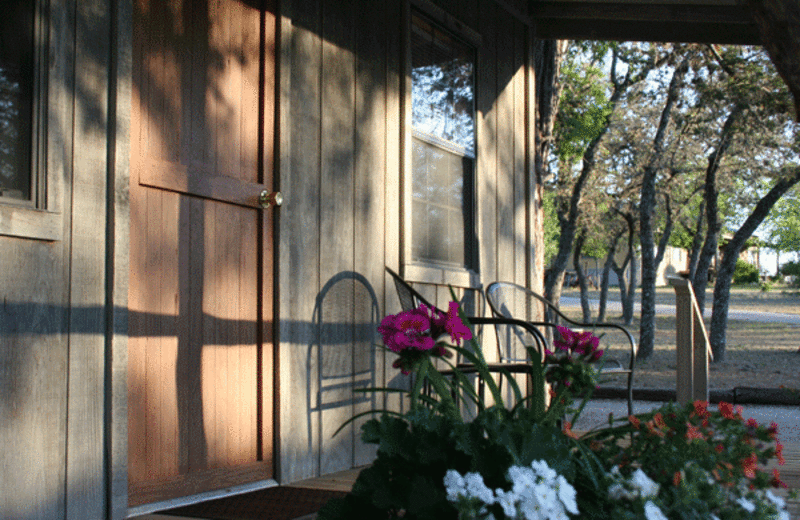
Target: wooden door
200 350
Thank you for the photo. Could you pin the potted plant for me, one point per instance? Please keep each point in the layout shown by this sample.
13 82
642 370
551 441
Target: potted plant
441 460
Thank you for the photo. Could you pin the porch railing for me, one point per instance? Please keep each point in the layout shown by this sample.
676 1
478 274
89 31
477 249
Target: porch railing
693 347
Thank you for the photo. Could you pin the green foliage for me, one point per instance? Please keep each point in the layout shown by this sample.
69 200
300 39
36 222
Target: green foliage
415 452
790 269
744 272
694 453
784 224
552 229
698 463
584 106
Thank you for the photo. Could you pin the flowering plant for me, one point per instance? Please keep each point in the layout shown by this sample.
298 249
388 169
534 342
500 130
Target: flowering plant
570 369
537 492
708 463
413 334
523 462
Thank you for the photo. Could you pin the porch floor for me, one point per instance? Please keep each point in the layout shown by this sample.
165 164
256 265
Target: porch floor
276 503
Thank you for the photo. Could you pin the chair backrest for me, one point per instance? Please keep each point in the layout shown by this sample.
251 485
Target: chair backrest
507 295
508 300
409 297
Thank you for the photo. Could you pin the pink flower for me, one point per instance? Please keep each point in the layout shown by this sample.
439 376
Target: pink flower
455 327
581 343
413 334
407 330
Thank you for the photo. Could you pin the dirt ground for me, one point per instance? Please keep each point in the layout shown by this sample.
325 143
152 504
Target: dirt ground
760 355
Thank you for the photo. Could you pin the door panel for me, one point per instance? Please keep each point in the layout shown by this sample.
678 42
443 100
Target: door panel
200 349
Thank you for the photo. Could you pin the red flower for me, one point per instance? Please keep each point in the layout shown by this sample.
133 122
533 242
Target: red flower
701 408
676 478
776 479
568 430
772 431
726 409
752 423
651 427
634 421
779 453
749 466
719 448
693 432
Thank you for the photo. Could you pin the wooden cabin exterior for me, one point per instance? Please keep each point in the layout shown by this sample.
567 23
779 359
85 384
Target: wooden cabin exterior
161 333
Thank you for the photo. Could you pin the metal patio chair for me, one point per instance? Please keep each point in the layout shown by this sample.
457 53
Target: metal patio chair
510 300
411 299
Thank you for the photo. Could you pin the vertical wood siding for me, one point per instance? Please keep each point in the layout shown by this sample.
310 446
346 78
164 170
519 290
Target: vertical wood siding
340 225
53 299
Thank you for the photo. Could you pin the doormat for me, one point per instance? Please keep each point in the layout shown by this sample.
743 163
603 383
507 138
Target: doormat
275 503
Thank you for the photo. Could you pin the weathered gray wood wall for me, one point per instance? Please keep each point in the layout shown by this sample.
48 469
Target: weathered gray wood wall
55 316
341 160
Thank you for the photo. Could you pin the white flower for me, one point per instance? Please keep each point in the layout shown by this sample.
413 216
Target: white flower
714 517
567 495
647 487
508 501
475 488
652 512
775 499
454 485
746 505
538 493
617 491
541 469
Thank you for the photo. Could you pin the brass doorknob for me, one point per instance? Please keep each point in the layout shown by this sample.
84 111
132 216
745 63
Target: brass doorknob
267 199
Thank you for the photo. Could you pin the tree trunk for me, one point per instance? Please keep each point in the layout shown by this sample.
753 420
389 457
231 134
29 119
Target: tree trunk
722 286
697 242
612 250
576 263
627 285
647 208
712 220
555 275
547 57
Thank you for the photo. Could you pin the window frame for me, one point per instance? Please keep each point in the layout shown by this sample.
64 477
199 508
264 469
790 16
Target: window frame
429 272
40 217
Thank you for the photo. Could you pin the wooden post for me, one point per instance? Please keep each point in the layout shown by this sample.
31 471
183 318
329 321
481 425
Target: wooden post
693 347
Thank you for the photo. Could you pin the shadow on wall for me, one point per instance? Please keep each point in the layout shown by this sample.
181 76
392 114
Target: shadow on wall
341 360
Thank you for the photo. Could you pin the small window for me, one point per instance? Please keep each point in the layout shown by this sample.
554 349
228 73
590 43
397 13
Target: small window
442 146
17 181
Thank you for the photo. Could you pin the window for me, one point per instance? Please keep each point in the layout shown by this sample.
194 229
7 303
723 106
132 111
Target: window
17 183
30 184
442 147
